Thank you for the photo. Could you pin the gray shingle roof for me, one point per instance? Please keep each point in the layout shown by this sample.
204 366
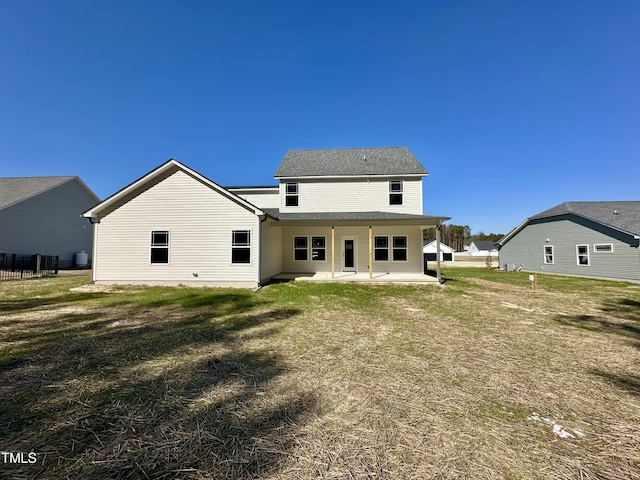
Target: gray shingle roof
622 215
17 189
484 245
351 216
350 161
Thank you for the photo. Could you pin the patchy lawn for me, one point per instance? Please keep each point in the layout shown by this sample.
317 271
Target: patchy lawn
483 378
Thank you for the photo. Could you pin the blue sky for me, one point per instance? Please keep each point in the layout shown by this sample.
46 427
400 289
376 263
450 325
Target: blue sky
513 107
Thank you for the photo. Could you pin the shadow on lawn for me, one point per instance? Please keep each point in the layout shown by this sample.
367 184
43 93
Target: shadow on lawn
620 317
152 389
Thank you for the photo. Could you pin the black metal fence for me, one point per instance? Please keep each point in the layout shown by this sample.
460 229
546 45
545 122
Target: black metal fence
14 266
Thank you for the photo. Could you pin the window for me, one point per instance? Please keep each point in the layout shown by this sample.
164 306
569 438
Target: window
399 249
603 247
241 246
395 192
582 252
300 248
381 249
548 254
160 246
318 249
291 194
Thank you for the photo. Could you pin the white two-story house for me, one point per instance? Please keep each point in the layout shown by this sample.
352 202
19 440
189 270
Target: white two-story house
335 212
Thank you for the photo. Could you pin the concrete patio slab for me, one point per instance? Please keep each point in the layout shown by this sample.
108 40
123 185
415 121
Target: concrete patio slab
405 278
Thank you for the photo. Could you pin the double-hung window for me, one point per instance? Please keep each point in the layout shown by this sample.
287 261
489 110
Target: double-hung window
582 254
160 246
400 249
300 249
318 249
381 249
291 194
395 192
548 254
241 246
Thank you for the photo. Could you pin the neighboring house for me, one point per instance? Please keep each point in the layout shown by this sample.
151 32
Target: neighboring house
341 210
481 248
43 215
430 250
591 239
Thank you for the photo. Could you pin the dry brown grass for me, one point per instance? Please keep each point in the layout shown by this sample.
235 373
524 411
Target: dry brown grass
324 381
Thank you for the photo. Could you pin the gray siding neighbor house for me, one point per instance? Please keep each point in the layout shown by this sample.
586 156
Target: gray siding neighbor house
44 215
590 239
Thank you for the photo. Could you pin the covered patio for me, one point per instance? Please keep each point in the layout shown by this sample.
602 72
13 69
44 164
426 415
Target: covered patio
355 247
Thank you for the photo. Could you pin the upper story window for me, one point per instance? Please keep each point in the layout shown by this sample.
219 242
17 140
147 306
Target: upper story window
291 194
241 246
395 192
160 246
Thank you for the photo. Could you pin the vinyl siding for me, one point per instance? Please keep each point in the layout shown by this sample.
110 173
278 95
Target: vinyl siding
414 249
564 234
360 195
200 221
267 199
49 223
271 248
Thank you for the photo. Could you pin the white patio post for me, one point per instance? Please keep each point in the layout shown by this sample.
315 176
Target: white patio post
333 252
438 252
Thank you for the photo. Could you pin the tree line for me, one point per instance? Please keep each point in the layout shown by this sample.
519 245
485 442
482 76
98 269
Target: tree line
457 236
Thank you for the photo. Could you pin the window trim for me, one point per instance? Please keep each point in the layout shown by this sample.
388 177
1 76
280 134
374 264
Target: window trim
544 254
586 253
291 195
238 246
398 193
323 248
153 246
377 249
405 248
306 248
610 245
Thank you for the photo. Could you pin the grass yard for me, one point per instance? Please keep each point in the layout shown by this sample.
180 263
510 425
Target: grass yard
481 379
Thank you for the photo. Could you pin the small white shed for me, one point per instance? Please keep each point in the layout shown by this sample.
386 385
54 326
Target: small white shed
447 254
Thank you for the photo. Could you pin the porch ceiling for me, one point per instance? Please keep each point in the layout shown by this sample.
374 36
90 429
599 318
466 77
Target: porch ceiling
354 218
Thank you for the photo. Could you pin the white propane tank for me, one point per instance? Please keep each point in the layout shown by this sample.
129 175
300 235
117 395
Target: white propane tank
82 259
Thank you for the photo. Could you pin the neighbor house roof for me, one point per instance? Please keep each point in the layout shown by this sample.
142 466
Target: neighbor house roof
619 215
443 246
18 189
350 162
484 245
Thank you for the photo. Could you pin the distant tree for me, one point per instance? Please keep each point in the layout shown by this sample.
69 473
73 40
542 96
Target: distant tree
453 235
